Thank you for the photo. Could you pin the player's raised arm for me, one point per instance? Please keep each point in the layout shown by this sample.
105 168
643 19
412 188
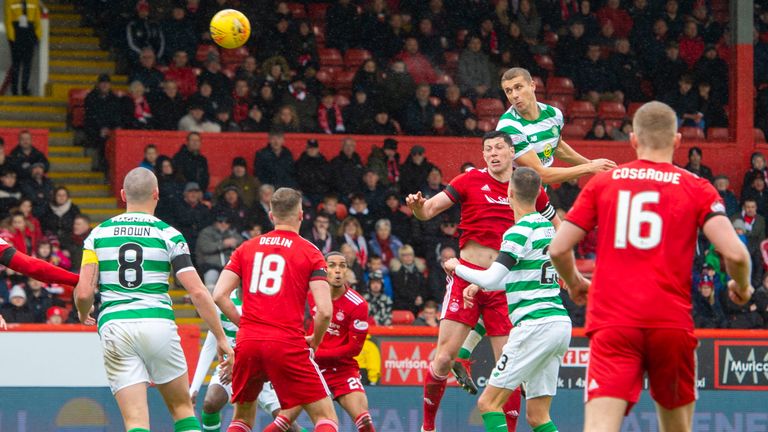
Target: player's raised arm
561 254
555 175
321 293
36 268
425 209
720 232
566 153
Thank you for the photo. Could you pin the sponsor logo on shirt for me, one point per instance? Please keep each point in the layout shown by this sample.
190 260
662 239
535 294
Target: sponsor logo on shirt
485 188
717 207
360 325
499 200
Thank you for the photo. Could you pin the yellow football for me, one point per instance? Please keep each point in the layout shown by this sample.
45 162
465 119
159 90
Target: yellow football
230 28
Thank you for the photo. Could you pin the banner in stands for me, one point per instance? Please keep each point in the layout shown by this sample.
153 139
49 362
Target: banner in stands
741 365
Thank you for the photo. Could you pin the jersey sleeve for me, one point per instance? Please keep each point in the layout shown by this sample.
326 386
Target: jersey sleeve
519 139
6 252
235 261
317 264
710 203
544 206
457 188
584 211
178 251
89 251
359 321
514 243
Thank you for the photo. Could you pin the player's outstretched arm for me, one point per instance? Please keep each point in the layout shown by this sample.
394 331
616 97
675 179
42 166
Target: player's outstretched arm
490 278
425 209
85 289
203 302
561 254
555 175
566 153
207 354
720 232
37 268
321 293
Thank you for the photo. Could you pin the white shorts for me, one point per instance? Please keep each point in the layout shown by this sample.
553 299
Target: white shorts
532 357
267 398
141 352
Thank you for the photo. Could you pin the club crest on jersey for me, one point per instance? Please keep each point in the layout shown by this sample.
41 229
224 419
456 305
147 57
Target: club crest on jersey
500 200
454 306
340 316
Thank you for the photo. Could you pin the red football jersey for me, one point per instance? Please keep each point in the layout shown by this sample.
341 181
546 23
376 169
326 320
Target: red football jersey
275 269
485 212
649 215
349 319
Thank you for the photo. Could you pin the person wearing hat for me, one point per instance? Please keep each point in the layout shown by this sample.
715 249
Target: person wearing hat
103 114
142 32
379 304
191 214
17 310
10 192
25 154
22 27
247 184
231 206
55 315
415 170
385 161
313 172
215 245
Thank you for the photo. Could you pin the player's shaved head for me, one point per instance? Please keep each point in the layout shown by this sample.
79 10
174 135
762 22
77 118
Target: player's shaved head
526 185
139 185
515 72
655 125
285 204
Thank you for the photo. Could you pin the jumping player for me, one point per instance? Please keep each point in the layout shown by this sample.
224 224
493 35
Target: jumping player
129 259
33 267
485 214
277 269
542 331
639 305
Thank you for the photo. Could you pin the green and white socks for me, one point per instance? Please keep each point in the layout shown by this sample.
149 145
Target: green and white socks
473 338
211 422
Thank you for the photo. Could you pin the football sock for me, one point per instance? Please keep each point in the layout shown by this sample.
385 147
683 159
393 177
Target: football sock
494 422
434 387
211 422
280 424
139 430
186 425
512 410
326 426
473 338
546 427
239 426
364 423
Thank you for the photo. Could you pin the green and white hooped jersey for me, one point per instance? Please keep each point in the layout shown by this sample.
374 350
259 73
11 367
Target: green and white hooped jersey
230 329
541 135
531 285
136 253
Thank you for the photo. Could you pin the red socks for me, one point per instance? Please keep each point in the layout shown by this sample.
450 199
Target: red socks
512 410
326 426
364 423
238 426
434 387
281 424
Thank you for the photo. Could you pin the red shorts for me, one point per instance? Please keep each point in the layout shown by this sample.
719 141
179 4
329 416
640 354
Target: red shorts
291 369
491 304
343 380
619 356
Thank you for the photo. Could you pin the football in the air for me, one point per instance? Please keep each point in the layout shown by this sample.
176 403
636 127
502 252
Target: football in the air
230 28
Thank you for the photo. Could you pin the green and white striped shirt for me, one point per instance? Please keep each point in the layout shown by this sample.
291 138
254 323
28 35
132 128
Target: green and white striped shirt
541 135
136 253
230 329
531 284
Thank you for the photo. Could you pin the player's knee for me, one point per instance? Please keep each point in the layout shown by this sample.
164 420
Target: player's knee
210 406
486 404
442 361
535 418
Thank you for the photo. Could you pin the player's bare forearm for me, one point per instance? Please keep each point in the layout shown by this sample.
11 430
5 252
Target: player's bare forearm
86 288
427 209
203 302
555 175
561 252
321 293
227 283
566 153
738 264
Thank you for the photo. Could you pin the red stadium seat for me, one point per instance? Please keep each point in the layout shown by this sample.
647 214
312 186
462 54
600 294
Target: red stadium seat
717 134
584 122
205 50
611 111
297 10
612 124
326 76
573 131
545 62
565 100
540 87
692 133
485 125
489 107
354 57
550 39
234 57
402 317
633 107
581 109
555 103
759 136
76 107
330 57
316 11
560 86
343 80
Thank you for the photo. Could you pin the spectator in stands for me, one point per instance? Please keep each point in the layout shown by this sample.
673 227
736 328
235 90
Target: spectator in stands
595 79
334 210
418 65
745 316
23 30
453 109
712 69
433 184
415 170
623 132
359 210
626 68
303 46
167 106
598 131
347 171
710 30
564 196
55 315
50 251
351 233
440 127
171 185
756 191
474 73
429 316
146 71
707 309
758 168
530 22
266 101
399 221
180 71
329 115
303 102
17 310
248 71
408 282
673 18
470 128
373 191
613 13
24 155
668 71
320 234
313 173
587 16
695 166
260 209
359 114
192 215
685 102
38 187
370 79
214 246
230 204
241 100
136 109
195 121
179 33
150 157
221 86
722 184
394 39
73 245
375 28
141 32
376 264
398 88
570 49
247 185
342 23
651 48
418 114
642 19
379 304
433 44
21 234
4 162
276 73
691 44
380 124
38 300
385 161
273 164
761 108
103 114
754 223
384 244
59 216
607 37
26 209
191 163
256 121
712 109
224 120
10 192
286 120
